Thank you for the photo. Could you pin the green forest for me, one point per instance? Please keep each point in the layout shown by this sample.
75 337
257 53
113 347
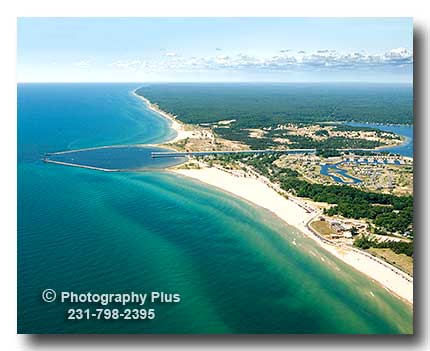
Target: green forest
399 247
296 141
270 105
389 213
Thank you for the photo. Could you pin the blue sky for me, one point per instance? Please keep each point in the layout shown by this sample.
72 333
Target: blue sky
214 49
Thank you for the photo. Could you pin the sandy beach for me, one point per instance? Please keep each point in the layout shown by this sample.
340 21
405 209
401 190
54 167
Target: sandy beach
298 214
293 211
176 125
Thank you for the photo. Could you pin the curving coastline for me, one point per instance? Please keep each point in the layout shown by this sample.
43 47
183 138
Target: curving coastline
176 125
298 214
293 212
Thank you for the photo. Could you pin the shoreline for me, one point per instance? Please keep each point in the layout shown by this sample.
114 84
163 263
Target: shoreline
182 134
176 125
299 215
293 213
405 140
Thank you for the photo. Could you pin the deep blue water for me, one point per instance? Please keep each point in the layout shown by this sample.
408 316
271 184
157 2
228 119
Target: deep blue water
237 267
87 115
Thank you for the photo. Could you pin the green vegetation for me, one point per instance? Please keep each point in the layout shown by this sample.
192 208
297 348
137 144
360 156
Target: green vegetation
406 263
296 141
257 105
269 105
266 107
323 228
389 213
354 231
348 128
399 247
398 221
328 153
321 132
264 165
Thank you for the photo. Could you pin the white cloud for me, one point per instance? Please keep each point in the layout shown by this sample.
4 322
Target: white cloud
398 55
82 64
127 65
321 60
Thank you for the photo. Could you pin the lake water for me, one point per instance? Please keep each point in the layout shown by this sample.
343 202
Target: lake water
238 268
333 170
407 131
405 149
121 158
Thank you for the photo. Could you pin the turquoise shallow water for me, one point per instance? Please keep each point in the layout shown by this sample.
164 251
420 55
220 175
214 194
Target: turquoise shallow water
238 269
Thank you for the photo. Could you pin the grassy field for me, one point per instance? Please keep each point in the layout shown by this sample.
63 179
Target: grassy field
323 228
400 260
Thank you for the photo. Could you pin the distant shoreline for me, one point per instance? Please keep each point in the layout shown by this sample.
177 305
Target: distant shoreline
176 125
